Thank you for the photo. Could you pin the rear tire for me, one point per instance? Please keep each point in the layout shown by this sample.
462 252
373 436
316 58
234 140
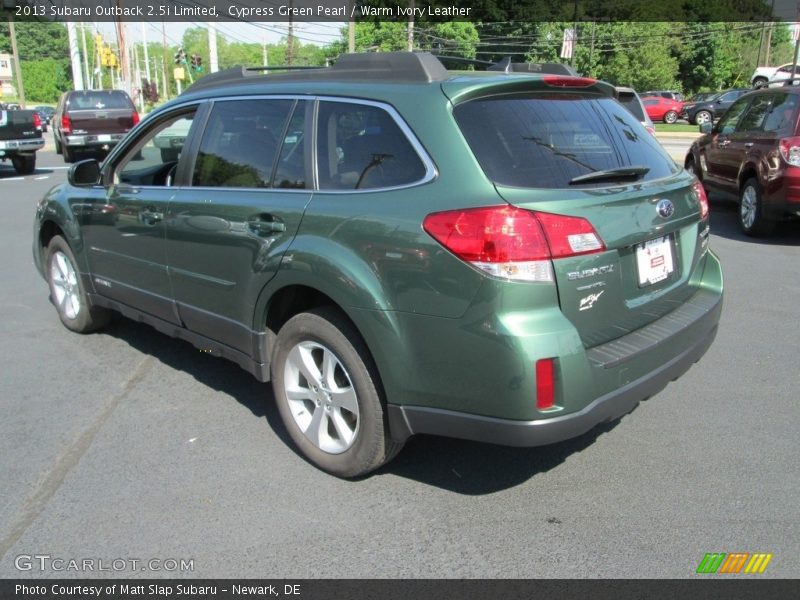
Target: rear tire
67 292
751 210
328 394
69 154
702 116
759 82
24 165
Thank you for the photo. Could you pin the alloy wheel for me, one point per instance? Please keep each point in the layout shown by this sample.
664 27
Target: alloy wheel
65 285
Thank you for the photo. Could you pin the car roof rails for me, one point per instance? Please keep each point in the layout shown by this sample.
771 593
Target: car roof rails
393 67
397 67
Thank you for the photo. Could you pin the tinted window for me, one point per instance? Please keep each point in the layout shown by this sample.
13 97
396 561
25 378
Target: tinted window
362 147
290 171
632 103
543 141
730 96
98 100
727 124
782 115
754 117
240 143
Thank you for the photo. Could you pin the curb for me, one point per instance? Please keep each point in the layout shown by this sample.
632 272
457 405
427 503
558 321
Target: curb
678 134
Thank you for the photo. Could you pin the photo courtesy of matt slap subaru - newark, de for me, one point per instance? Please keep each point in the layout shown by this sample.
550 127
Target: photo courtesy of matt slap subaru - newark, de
506 256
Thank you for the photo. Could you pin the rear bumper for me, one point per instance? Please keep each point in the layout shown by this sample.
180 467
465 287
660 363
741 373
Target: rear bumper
405 421
13 146
95 140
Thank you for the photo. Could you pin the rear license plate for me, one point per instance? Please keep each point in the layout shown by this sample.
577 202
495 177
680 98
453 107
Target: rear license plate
654 260
104 138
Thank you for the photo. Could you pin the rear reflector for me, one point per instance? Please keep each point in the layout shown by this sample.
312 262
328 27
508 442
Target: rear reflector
560 81
512 243
545 384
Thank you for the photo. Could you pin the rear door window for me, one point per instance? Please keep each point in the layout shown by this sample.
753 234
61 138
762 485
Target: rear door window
727 124
782 114
546 140
753 119
360 146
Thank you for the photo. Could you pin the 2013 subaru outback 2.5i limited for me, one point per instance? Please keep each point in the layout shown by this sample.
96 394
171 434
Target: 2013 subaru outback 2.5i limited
400 249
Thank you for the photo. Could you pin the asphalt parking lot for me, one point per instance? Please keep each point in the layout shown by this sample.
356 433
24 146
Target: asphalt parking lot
128 444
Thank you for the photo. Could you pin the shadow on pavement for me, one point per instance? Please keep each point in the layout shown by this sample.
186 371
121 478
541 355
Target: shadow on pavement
725 223
455 465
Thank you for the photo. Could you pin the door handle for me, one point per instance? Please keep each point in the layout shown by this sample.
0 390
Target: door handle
723 143
264 226
748 145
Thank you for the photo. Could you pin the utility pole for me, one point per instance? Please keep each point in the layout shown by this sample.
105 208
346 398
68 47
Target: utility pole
411 5
87 80
146 54
74 57
265 57
123 52
351 29
290 41
164 61
213 61
17 70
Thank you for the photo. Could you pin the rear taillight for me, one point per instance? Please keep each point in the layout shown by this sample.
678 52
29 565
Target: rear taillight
37 121
790 150
559 81
545 384
651 129
699 193
135 118
512 243
66 124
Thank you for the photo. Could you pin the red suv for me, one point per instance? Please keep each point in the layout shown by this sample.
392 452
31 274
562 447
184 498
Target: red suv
753 152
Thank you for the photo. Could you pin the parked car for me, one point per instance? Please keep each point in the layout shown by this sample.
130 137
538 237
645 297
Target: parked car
701 97
669 94
706 111
92 120
763 75
631 100
753 154
20 139
662 109
515 264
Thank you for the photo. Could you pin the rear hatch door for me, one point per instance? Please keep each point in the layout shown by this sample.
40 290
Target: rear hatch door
18 125
587 156
99 112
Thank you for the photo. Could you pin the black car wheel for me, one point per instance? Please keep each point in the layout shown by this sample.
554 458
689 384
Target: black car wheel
24 165
751 210
69 154
759 82
327 391
58 144
702 116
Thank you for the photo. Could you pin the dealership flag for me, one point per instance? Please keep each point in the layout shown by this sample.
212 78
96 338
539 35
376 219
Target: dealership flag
568 45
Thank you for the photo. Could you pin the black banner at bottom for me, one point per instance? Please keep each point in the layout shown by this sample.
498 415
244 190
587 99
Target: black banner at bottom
389 589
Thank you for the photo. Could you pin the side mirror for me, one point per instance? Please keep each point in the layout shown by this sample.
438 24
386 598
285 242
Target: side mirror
706 127
85 173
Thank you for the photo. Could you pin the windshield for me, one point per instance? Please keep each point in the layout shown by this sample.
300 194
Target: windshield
547 140
97 100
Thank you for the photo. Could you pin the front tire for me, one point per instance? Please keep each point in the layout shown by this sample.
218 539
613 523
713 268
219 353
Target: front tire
670 117
328 394
702 116
751 210
67 292
759 82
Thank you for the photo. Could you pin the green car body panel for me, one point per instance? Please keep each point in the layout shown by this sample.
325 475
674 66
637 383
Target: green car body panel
447 339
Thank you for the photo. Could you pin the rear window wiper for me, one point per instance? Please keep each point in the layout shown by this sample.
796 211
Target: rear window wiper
611 174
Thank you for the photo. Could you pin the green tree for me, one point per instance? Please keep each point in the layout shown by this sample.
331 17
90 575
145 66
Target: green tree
45 79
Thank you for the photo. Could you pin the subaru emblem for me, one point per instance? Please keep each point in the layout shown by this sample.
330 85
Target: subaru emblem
665 208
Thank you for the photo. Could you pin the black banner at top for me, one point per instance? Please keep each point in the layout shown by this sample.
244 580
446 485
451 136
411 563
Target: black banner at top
403 10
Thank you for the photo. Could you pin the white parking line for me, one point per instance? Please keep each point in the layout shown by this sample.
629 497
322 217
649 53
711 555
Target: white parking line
13 179
42 177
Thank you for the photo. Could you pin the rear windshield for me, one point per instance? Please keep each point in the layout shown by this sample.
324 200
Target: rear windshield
99 100
545 140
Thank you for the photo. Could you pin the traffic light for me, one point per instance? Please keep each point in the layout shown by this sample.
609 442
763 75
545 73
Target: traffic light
180 57
197 62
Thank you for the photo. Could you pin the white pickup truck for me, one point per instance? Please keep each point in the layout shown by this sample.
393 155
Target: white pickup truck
20 138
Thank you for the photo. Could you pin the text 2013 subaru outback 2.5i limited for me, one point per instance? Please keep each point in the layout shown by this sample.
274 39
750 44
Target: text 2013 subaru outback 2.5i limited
400 249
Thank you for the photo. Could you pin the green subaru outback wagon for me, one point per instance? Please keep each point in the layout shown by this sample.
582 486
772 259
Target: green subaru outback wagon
400 249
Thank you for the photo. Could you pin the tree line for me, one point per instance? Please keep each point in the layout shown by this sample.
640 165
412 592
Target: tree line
690 57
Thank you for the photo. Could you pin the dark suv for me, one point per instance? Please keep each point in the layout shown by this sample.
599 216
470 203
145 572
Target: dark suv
92 120
504 257
753 152
705 111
